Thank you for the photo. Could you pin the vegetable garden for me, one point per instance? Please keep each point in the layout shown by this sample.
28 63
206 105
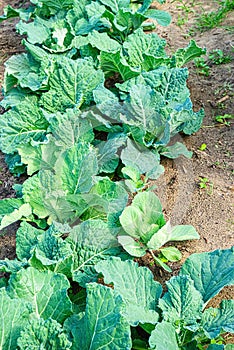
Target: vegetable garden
94 110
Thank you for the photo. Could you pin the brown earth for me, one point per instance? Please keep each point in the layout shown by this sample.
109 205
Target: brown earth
210 210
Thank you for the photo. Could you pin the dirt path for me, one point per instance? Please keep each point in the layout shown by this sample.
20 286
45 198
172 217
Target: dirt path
210 210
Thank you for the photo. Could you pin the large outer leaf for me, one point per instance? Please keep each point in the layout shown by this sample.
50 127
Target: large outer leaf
142 110
112 63
163 337
210 271
46 291
69 128
33 194
93 241
21 125
103 326
26 238
37 31
14 314
108 158
43 334
103 42
71 84
76 168
24 70
55 5
141 158
139 44
113 195
182 302
115 5
136 286
24 211
8 205
216 320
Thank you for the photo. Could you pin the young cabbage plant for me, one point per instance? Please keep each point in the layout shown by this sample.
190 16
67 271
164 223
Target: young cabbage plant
146 230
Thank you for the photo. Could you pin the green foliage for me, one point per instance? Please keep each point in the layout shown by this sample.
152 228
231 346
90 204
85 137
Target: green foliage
219 57
147 230
213 19
38 311
92 101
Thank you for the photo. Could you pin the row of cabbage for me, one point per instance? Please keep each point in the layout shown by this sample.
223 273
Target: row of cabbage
91 106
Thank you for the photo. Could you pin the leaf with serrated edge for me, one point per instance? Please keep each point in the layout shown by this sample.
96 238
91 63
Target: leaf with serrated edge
210 271
136 286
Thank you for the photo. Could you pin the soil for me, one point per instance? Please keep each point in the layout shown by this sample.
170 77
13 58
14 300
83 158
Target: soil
209 209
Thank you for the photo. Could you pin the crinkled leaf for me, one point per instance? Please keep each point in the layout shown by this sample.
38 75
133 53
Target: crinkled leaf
139 44
53 5
210 271
108 158
113 195
142 110
20 125
24 211
24 70
141 158
71 84
215 320
26 238
187 54
53 253
46 291
194 122
92 241
102 325
182 303
11 266
14 314
136 286
47 334
76 168
111 63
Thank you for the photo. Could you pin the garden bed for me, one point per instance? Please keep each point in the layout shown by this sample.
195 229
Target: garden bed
197 191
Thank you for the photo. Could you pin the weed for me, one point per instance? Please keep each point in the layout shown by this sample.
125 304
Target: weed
185 7
203 147
202 66
218 57
205 183
213 19
222 119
